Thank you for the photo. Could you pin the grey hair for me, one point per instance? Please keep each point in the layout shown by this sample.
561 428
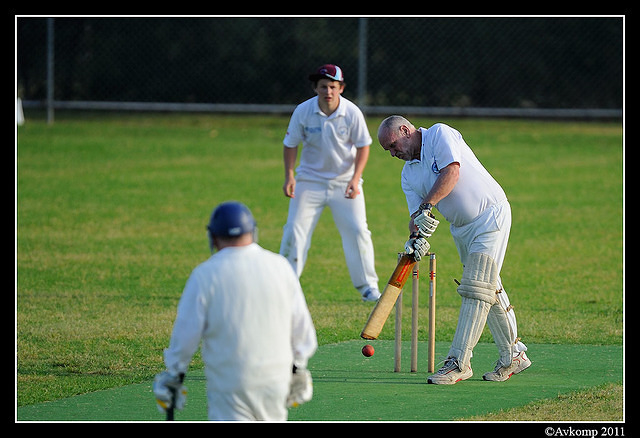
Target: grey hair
393 123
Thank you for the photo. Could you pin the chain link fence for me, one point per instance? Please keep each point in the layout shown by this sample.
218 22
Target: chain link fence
492 65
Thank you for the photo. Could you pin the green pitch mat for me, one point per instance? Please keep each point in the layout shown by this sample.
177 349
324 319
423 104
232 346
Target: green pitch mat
350 387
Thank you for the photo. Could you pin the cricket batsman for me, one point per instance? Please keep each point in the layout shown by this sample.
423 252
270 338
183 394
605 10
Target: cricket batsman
246 310
442 171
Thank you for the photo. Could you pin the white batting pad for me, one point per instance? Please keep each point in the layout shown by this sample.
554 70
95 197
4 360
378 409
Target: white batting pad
473 316
479 278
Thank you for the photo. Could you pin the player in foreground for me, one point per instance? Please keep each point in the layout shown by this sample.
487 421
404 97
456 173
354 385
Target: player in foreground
246 307
442 171
335 151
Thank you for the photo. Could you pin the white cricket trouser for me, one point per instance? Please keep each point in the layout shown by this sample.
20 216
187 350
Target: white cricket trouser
253 404
489 234
349 215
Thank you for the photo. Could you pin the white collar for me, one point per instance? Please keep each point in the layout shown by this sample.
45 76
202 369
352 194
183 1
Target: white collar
340 111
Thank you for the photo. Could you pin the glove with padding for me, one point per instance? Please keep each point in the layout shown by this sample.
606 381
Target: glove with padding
426 223
418 246
301 388
168 388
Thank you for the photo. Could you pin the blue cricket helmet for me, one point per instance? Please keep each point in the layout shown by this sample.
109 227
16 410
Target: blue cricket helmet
231 219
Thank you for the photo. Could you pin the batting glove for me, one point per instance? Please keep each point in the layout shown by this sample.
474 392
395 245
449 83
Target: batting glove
301 389
418 246
426 222
169 391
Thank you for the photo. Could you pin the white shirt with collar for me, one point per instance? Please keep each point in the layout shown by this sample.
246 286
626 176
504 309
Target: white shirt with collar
329 142
475 191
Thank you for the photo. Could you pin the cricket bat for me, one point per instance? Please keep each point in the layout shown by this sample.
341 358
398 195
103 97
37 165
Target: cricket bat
388 298
174 397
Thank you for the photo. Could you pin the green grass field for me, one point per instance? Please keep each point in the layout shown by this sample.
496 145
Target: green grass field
111 214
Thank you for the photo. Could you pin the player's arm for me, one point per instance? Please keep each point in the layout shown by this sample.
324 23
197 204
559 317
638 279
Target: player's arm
290 154
444 184
168 389
362 156
423 223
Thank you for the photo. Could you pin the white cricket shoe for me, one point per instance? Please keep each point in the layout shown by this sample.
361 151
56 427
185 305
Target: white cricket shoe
450 373
519 363
371 295
523 362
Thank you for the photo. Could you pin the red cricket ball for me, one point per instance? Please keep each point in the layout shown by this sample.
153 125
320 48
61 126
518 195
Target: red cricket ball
368 350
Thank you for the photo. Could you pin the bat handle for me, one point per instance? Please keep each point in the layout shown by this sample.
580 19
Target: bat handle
174 398
173 401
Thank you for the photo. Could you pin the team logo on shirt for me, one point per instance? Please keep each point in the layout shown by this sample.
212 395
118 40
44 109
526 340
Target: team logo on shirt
434 167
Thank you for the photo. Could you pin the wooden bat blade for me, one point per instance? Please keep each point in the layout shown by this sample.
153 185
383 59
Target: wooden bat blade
383 307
